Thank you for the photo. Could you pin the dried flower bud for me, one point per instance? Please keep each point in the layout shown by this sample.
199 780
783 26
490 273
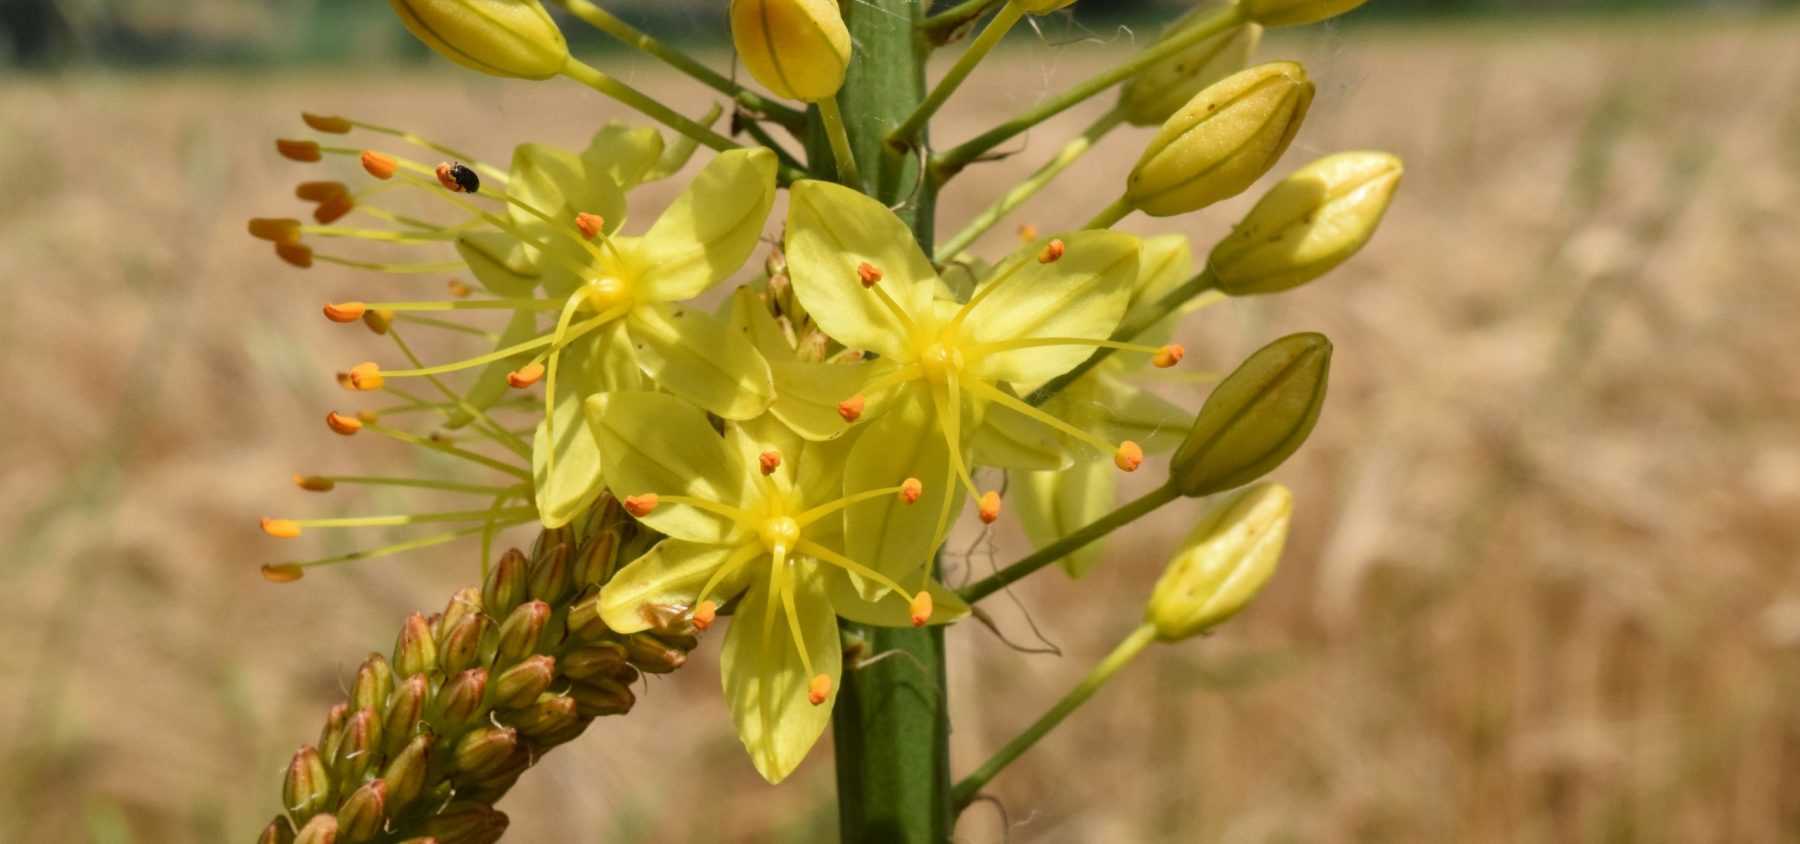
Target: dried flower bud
1295 12
521 684
356 753
600 698
405 773
322 829
1256 418
306 790
1160 90
601 660
363 813
496 37
796 48
653 655
546 717
550 580
519 633
459 701
1223 563
506 583
414 651
406 706
374 682
481 750
461 648
1222 141
467 823
1308 224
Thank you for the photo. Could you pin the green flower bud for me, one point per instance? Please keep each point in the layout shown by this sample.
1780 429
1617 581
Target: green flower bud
497 37
519 633
796 48
585 623
467 823
322 829
595 561
1295 12
550 580
1223 563
1222 141
506 584
459 701
521 684
279 831
462 644
374 682
652 655
406 706
1256 418
466 602
482 750
306 790
1158 91
1308 224
548 716
356 753
405 773
414 651
363 813
332 734
601 660
599 698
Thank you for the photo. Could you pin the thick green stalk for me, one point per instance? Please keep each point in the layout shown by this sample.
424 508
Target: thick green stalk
1070 544
902 137
891 723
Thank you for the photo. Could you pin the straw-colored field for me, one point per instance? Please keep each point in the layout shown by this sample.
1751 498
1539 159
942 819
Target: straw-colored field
1542 583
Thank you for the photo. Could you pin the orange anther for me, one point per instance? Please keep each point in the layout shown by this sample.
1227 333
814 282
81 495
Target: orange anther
314 483
327 123
769 461
819 689
869 274
280 528
275 229
525 376
379 165
302 151
920 608
339 423
1168 356
345 311
283 573
851 409
378 321
366 376
591 225
298 254
320 191
1129 456
640 505
1028 233
1053 252
911 489
990 507
458 289
704 614
334 208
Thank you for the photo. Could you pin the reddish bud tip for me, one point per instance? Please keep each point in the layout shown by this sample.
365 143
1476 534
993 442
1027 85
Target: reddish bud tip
345 311
283 573
1053 252
314 483
868 273
280 528
366 376
819 689
851 409
305 152
769 461
591 225
640 505
327 123
378 321
297 254
525 376
911 489
341 424
458 289
275 229
990 507
1028 233
320 191
333 208
920 608
379 165
1168 356
1129 456
704 614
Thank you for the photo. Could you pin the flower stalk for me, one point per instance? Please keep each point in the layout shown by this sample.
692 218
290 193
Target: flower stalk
1065 158
1049 554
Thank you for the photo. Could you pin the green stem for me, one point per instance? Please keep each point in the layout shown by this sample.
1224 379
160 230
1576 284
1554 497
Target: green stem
1196 286
1070 544
592 77
903 135
791 118
940 27
1126 651
840 143
950 163
1119 210
1065 158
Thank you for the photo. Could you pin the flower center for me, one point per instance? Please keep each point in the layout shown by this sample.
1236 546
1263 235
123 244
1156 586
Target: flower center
940 359
607 292
780 530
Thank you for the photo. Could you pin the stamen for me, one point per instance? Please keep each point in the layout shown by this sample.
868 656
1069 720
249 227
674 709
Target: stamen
283 573
305 152
427 442
911 489
321 483
868 274
380 165
870 278
1129 456
738 559
826 555
280 528
641 505
334 208
423 268
329 124
298 254
314 483
819 689
1168 356
341 424
813 515
345 311
997 396
366 376
851 409
275 229
1053 252
990 506
723 510
769 461
920 608
591 225
285 569
286 528
320 191
525 376
378 320
704 614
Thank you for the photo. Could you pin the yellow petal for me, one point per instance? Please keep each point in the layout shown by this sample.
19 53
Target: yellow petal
566 493
1051 505
1083 294
1012 440
656 443
887 534
499 263
693 355
1127 412
832 231
560 184
1165 263
670 574
749 316
711 229
807 395
891 610
625 154
765 682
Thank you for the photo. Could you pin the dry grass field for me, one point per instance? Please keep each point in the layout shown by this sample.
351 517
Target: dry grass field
1543 582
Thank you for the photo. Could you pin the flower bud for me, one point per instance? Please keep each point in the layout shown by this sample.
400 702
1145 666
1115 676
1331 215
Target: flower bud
466 602
797 48
601 660
550 581
599 698
459 701
1308 224
467 823
406 707
1294 12
462 645
1256 418
480 751
332 734
1223 563
356 753
519 633
652 655
363 813
497 37
521 684
322 829
374 682
549 716
279 831
595 561
585 623
1158 91
1222 141
306 790
414 651
506 584
405 773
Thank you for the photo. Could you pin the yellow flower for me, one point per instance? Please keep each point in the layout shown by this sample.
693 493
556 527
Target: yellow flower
757 513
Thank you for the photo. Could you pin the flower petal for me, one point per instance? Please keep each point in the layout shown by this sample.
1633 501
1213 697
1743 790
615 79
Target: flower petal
500 263
710 230
624 153
559 184
887 534
1012 440
1083 294
807 395
565 493
670 574
749 315
1128 412
1051 505
832 231
693 355
765 682
1165 263
656 443
891 610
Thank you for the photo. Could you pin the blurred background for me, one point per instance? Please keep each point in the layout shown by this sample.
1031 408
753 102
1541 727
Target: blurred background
1542 582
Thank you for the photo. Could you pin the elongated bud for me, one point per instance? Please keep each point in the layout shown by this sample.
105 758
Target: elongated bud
414 651
585 623
595 561
652 655
1256 418
306 790
551 580
1223 563
521 684
1160 90
600 698
481 750
322 829
461 646
279 831
332 734
1222 141
356 753
406 708
374 683
1308 224
797 48
519 633
506 583
405 773
496 37
599 660
363 813
466 602
467 823
1295 12
548 716
459 701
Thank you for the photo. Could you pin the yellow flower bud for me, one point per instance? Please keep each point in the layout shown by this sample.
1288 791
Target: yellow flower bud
1256 418
1295 12
1160 90
796 48
1222 141
498 37
1311 222
1223 563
